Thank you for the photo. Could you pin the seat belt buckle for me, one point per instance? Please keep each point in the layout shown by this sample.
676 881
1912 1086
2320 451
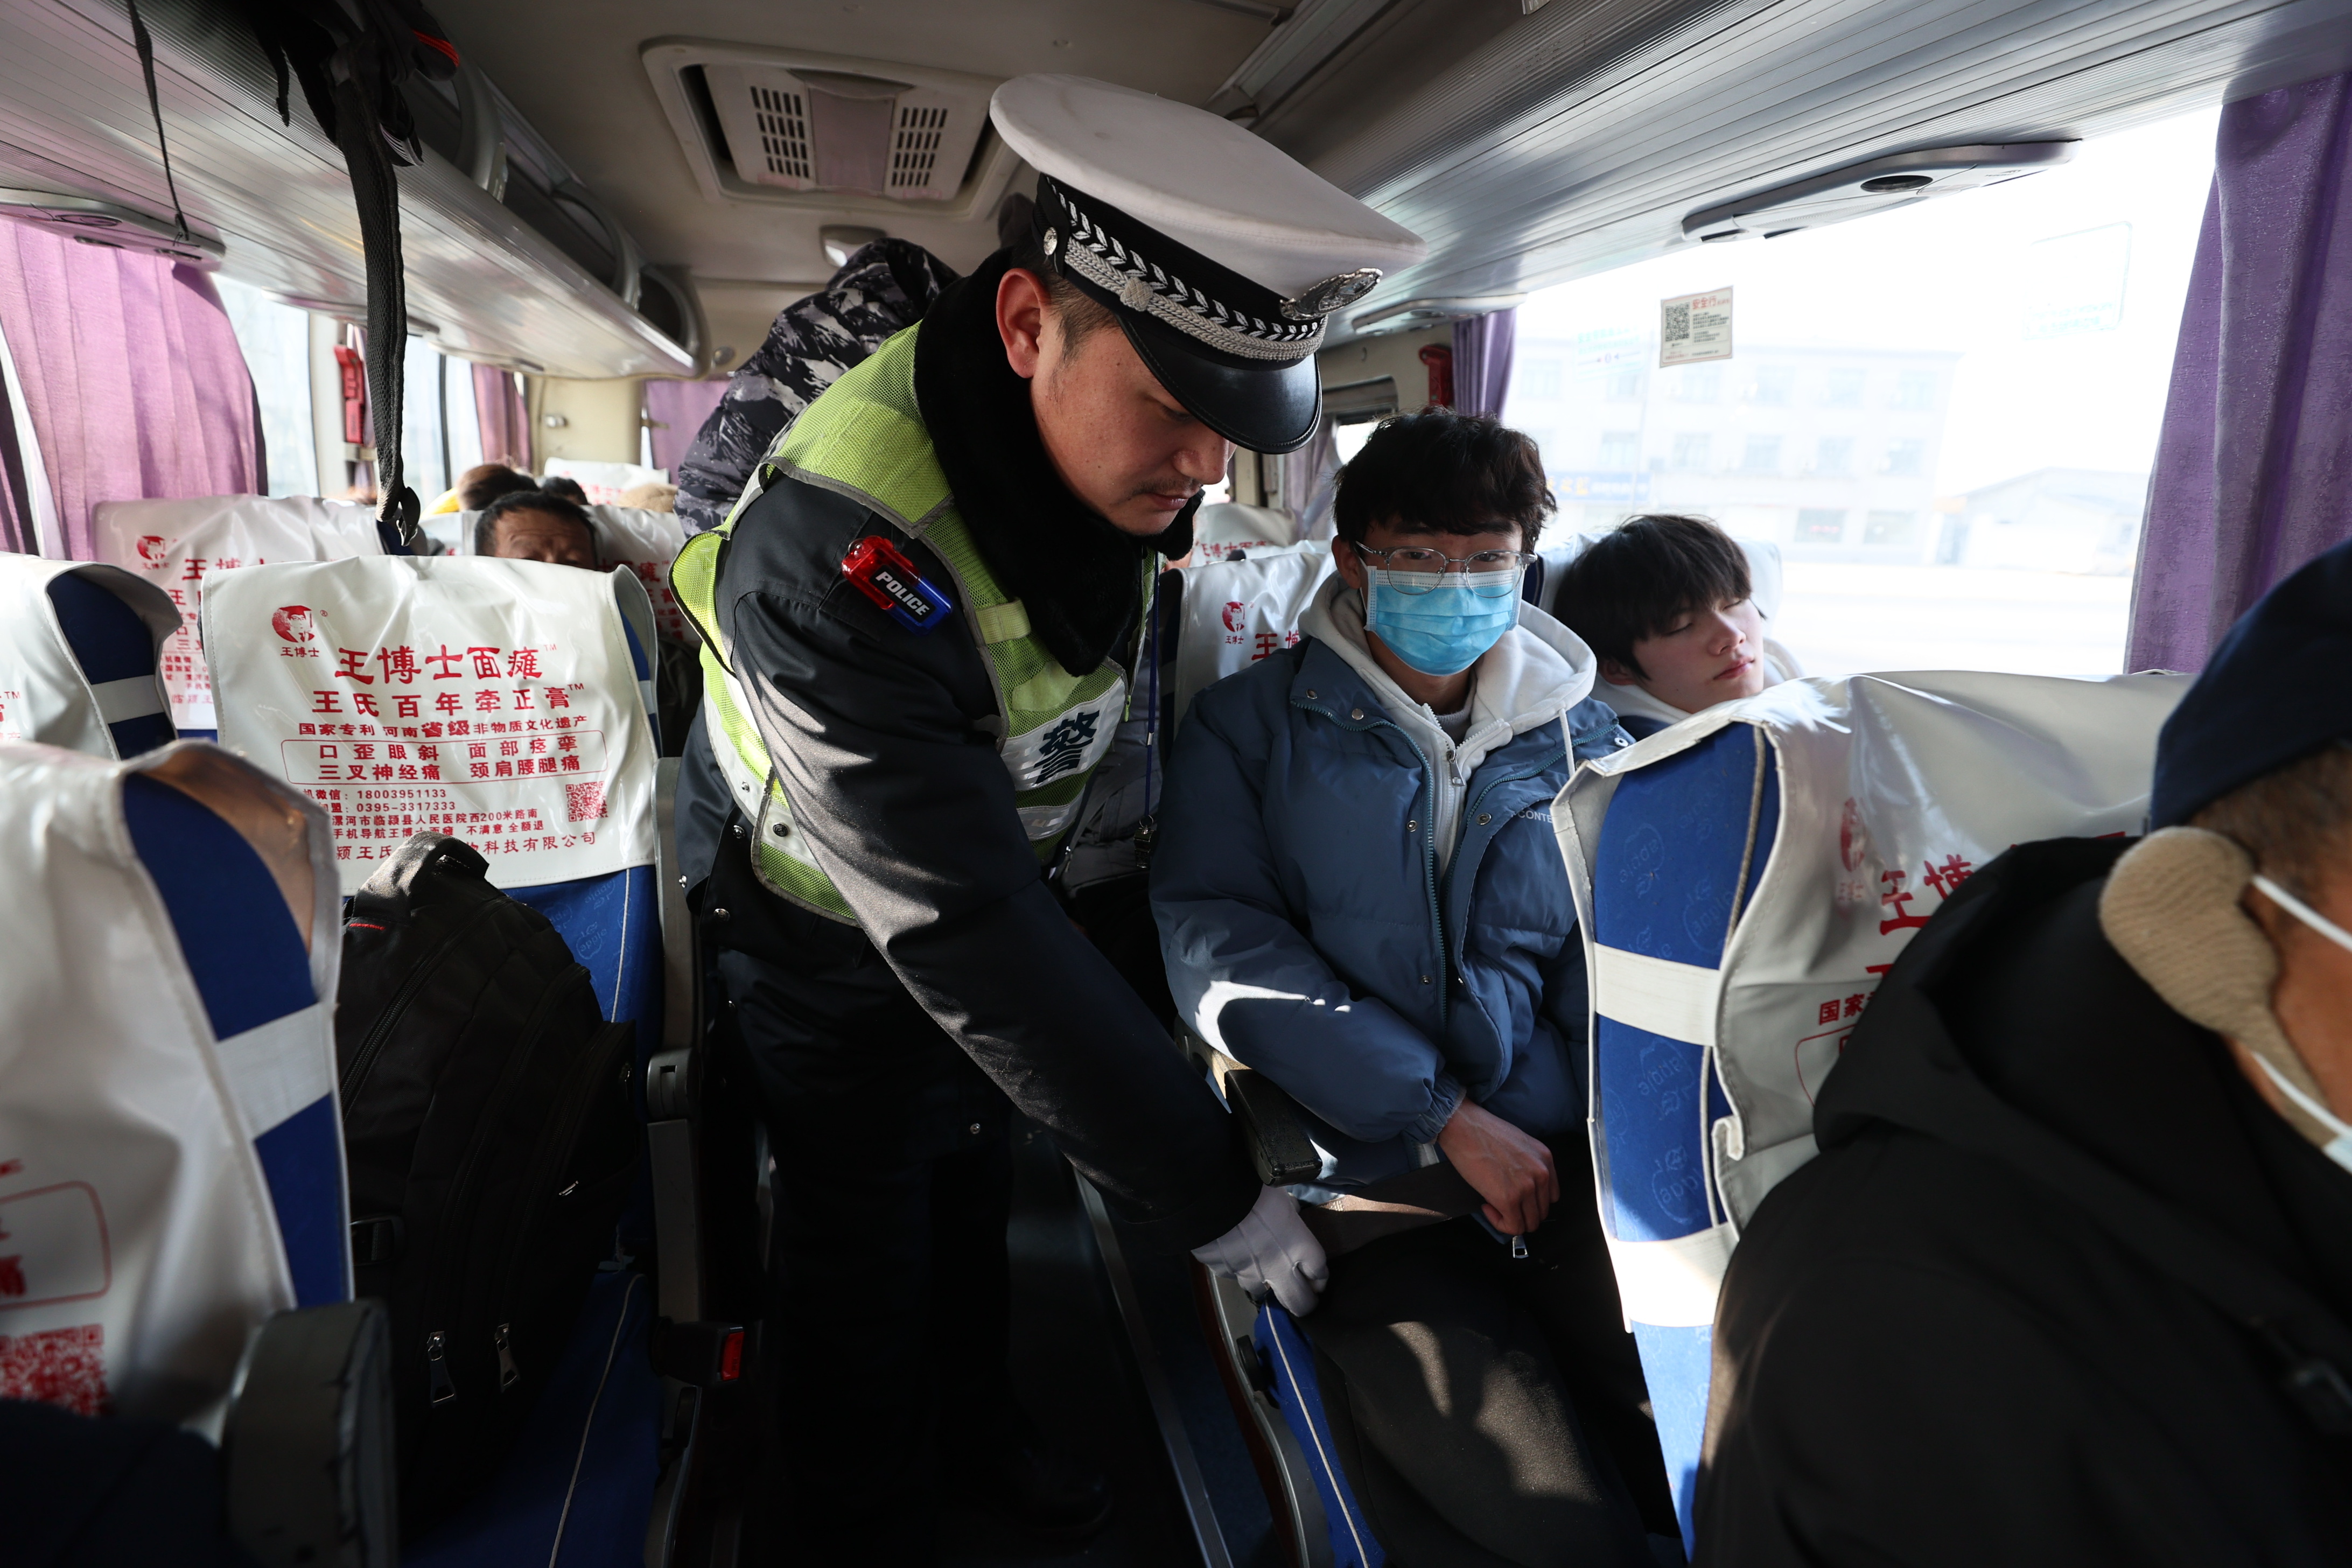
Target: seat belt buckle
880 570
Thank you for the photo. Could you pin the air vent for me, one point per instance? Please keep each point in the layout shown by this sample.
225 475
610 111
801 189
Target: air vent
831 130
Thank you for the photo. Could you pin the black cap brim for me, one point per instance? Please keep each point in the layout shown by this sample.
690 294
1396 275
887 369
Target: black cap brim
1260 407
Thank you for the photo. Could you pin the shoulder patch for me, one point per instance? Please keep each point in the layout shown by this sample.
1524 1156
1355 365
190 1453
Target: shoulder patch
880 570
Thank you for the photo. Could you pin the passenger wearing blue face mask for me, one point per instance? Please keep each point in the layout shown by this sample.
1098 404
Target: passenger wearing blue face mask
1359 895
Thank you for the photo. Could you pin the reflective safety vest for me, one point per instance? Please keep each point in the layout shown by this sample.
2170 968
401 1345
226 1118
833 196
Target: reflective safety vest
865 438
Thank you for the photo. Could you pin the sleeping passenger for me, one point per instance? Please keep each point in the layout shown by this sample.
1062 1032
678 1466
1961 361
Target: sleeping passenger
1665 603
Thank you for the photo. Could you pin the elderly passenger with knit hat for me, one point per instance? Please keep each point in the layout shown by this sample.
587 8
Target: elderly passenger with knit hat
2070 1280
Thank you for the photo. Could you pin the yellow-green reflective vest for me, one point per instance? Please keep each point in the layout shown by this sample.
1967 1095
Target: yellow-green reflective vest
865 438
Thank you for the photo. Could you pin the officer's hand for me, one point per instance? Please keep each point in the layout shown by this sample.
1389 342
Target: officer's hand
1511 1170
1272 1249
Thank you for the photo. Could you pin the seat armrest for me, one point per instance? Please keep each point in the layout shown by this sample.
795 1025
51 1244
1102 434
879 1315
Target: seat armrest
307 1454
1271 1121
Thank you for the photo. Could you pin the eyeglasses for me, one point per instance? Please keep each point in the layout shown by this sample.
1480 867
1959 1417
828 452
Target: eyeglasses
1414 569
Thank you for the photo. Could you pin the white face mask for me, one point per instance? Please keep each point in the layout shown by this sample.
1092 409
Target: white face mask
2340 1148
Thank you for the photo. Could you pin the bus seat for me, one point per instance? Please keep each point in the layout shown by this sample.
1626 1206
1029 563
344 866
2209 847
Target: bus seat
181 545
79 648
562 657
173 1170
1236 612
1743 881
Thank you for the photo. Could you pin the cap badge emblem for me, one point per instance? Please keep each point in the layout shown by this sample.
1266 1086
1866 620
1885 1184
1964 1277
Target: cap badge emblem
1052 241
1331 294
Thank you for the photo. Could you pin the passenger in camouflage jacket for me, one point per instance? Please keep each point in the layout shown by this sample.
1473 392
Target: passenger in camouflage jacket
883 288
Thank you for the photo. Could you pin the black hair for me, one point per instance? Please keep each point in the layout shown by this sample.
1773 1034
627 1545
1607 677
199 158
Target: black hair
1081 314
1650 572
483 483
564 485
485 527
1445 472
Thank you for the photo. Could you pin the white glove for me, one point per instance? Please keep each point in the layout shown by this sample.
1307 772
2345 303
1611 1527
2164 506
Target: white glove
1272 1249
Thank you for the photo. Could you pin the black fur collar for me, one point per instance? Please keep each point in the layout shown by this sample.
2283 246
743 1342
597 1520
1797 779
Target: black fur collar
1079 577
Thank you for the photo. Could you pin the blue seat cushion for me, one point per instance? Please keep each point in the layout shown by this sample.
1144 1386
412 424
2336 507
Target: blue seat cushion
111 643
247 958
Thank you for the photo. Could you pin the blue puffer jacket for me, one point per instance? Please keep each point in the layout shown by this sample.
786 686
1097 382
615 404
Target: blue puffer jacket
1313 928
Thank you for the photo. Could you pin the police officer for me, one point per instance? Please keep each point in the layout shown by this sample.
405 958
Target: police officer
921 628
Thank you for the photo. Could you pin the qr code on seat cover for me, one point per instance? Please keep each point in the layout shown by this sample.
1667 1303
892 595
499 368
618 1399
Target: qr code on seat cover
64 1367
584 801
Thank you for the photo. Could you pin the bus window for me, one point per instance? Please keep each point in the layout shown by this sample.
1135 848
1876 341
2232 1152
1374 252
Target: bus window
1945 416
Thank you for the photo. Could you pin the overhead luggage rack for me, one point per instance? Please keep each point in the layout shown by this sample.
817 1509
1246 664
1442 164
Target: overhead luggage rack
494 288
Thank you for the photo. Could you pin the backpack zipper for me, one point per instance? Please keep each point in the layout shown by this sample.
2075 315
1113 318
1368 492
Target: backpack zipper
563 1125
371 1044
437 1367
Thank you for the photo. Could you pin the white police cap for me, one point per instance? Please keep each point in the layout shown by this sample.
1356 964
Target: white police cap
1221 254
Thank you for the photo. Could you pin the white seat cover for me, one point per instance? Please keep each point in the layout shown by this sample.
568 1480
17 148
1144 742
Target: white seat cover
141 1245
493 700
1238 612
182 546
45 695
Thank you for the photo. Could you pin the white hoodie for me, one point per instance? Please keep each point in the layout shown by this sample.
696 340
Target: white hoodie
1532 676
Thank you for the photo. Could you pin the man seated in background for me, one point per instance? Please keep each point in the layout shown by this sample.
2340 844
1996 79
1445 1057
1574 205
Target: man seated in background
2070 1279
480 485
1359 895
535 525
1664 602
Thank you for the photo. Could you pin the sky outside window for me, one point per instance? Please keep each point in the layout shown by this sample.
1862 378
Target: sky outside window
1945 416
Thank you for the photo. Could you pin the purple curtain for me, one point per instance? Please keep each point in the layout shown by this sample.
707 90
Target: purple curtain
2254 469
1482 360
133 377
504 422
1309 479
677 409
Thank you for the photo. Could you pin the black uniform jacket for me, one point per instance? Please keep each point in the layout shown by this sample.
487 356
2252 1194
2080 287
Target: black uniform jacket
886 744
1968 1332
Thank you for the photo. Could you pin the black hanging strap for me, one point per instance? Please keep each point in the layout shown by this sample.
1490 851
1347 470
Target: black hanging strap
146 48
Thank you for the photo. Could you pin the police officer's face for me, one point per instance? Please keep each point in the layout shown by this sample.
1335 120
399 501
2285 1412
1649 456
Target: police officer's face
1119 441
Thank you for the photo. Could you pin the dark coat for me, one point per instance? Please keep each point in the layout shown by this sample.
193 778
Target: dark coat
1971 1332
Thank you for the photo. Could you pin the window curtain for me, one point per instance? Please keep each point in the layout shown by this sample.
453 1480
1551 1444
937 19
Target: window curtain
131 379
677 409
2254 467
1482 360
504 422
1307 480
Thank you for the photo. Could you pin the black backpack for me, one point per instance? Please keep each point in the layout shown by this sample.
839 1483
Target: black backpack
491 1141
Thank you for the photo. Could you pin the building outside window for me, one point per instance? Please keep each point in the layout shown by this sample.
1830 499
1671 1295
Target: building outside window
1891 528
1915 391
1906 458
1538 379
1691 452
1624 385
1760 455
1695 384
1833 454
1774 385
1820 525
1842 388
1621 449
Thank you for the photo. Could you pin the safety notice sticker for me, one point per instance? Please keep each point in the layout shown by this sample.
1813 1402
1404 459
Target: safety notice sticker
491 700
1692 327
